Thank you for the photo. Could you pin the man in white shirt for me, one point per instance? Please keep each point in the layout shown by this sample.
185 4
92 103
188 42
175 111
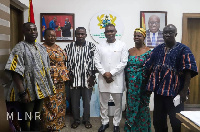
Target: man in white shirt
110 58
154 36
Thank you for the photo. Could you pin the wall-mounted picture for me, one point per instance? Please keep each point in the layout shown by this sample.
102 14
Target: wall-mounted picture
62 23
153 22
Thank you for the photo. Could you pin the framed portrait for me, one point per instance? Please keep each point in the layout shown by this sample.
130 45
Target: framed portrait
62 23
153 22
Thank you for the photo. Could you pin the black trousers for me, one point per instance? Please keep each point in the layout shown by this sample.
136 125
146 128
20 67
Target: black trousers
75 95
163 106
35 108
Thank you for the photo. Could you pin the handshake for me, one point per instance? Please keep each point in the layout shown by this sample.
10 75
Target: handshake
108 77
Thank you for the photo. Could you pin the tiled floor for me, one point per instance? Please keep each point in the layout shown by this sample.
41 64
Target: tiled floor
96 122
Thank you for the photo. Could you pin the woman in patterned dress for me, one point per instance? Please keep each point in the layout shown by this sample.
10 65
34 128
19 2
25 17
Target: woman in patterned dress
137 112
54 107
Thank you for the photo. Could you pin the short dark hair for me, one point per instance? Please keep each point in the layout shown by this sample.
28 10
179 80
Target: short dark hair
171 25
48 29
79 28
27 23
110 25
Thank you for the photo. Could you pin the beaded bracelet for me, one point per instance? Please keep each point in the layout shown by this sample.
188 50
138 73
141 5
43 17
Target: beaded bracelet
22 94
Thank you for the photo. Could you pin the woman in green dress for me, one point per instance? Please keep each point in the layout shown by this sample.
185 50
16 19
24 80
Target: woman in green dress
137 112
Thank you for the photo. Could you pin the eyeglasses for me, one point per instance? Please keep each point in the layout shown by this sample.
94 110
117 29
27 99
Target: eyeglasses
170 33
156 23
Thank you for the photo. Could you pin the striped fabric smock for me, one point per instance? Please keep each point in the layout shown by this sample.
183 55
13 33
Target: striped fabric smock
80 62
32 63
167 68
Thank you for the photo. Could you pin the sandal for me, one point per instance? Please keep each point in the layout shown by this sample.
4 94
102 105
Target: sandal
87 124
75 125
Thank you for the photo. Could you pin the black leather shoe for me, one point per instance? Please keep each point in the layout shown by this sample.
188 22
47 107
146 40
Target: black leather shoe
103 128
116 129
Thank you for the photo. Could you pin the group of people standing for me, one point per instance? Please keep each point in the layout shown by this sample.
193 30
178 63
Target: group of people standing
39 73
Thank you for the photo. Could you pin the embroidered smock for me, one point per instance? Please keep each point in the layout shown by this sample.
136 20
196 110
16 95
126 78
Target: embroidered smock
167 69
80 61
32 63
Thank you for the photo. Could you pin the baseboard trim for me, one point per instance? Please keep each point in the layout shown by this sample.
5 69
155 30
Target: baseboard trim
192 107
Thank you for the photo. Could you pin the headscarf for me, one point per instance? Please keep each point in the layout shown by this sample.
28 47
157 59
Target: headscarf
141 30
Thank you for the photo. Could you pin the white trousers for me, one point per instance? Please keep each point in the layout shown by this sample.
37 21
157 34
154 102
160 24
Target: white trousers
104 98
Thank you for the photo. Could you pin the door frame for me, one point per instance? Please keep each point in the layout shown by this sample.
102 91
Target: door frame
16 33
185 41
187 16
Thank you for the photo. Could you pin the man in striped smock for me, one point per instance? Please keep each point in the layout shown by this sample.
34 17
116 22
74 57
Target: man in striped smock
82 75
28 66
171 66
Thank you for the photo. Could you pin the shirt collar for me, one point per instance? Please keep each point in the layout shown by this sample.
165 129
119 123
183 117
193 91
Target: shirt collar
81 45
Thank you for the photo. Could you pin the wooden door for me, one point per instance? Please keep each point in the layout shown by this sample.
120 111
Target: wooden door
16 22
191 38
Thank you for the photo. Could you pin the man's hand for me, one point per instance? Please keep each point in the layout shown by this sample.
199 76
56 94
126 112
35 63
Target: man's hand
17 78
25 99
108 77
91 81
183 95
109 80
71 78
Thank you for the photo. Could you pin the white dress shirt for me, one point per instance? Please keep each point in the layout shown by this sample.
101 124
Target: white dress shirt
111 57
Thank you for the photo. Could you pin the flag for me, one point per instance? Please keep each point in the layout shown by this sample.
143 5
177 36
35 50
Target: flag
143 21
44 26
30 13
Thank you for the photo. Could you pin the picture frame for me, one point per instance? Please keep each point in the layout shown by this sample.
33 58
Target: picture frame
62 23
153 22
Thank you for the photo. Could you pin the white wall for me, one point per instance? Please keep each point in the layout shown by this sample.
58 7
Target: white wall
129 10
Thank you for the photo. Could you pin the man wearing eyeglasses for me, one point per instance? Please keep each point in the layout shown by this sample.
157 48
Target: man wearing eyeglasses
169 69
153 34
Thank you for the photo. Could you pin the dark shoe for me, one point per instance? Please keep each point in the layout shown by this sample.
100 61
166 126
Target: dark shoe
75 125
103 128
87 124
116 129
